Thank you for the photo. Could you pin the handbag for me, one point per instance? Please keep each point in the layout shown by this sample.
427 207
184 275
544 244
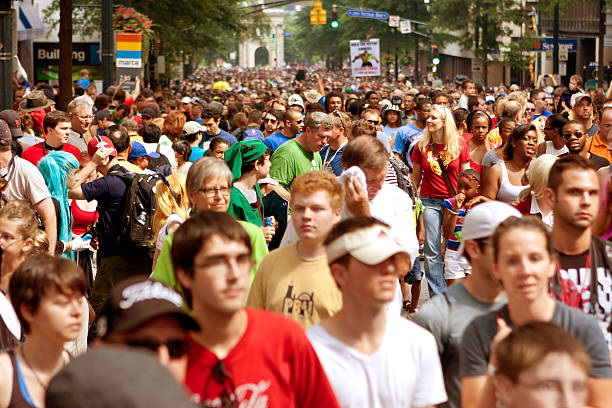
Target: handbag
447 179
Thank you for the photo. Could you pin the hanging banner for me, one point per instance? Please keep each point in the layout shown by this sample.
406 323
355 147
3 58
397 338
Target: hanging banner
365 58
129 50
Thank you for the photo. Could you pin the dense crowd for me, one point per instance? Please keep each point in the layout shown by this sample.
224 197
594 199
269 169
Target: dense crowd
258 237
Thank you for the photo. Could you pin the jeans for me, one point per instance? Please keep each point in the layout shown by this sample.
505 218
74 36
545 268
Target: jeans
432 217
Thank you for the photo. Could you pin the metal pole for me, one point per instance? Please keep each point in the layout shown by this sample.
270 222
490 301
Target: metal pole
107 43
556 40
6 56
602 33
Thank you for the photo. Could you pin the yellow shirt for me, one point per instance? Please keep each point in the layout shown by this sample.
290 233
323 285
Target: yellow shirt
130 166
301 289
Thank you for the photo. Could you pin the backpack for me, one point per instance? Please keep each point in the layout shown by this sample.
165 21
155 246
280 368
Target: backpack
404 179
139 205
156 163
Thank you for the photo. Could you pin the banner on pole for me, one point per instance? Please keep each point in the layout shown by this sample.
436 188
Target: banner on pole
365 58
129 50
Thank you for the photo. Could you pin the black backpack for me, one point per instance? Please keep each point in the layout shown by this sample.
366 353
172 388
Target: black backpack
156 163
139 205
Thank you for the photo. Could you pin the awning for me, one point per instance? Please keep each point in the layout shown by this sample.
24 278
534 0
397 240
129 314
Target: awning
29 23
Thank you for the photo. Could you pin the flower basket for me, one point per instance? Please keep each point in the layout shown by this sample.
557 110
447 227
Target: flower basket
128 20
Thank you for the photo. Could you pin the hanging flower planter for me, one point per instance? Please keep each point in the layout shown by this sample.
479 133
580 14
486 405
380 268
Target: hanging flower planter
128 20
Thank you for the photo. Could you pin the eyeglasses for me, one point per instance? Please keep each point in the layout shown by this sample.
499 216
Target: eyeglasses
529 109
8 238
176 348
85 117
212 191
568 136
374 122
270 120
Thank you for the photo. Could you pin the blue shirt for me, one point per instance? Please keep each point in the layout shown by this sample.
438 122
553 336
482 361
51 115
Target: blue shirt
83 82
332 161
196 153
404 137
275 140
545 114
231 139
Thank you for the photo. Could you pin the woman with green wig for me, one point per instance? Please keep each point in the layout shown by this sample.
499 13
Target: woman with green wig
249 162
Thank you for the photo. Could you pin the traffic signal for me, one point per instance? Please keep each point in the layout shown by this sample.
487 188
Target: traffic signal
435 53
334 21
273 37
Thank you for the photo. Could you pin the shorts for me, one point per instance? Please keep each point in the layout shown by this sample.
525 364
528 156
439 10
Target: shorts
416 274
455 267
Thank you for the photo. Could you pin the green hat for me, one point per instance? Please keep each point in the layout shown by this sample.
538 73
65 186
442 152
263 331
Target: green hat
243 152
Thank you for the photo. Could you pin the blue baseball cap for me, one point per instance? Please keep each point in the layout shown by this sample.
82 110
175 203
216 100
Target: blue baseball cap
138 150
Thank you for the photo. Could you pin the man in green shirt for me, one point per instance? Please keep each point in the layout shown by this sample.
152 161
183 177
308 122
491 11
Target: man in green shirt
300 155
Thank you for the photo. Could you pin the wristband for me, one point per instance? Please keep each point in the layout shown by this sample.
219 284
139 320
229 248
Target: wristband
491 370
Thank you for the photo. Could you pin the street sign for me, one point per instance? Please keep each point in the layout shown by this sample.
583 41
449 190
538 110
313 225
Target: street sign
394 21
129 50
378 15
405 27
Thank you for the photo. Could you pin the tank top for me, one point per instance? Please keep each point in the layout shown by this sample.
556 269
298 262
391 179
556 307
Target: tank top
81 219
550 149
507 192
20 397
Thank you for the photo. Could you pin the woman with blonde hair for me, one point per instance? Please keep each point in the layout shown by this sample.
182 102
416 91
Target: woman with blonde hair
172 208
438 158
530 199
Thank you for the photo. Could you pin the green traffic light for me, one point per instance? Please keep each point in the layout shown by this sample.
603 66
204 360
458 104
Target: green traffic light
436 61
334 24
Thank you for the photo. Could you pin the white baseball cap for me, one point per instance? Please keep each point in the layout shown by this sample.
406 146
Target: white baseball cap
296 99
481 221
371 245
186 99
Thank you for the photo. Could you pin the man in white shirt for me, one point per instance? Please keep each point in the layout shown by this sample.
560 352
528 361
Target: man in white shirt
374 358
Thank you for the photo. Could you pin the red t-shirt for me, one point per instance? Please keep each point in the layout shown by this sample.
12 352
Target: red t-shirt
432 184
272 365
35 153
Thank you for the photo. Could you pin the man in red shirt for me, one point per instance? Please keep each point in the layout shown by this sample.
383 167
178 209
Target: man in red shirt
241 356
57 127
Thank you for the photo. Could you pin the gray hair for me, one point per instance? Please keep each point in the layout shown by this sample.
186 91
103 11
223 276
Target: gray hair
204 169
130 125
75 103
318 120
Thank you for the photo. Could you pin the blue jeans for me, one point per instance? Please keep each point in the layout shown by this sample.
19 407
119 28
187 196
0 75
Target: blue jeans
432 218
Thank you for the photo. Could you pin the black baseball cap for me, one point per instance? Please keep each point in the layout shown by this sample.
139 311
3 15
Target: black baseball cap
138 300
13 120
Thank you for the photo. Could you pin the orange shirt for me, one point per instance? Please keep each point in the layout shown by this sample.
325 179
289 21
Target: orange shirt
598 147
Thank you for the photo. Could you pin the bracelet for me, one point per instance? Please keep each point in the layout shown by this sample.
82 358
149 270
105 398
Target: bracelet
491 370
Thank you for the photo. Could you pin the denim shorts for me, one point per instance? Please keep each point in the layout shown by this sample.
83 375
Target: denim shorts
416 274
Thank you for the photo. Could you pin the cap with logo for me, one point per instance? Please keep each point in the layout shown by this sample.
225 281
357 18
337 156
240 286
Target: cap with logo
99 142
296 99
481 221
371 245
13 120
5 134
138 300
139 150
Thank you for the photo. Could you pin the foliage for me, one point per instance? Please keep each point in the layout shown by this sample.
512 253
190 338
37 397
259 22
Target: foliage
314 42
128 20
197 27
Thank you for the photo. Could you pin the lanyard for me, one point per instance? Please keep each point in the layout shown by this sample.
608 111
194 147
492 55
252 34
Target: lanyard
325 162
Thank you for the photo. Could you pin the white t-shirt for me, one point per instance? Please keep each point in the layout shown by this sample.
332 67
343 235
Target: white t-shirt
404 372
25 183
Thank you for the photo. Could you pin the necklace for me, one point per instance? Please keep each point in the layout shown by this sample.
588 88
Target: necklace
44 387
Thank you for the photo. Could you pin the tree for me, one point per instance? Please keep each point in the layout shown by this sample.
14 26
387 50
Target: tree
484 26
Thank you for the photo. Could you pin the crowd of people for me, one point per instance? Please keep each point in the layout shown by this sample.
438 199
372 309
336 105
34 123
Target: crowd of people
263 235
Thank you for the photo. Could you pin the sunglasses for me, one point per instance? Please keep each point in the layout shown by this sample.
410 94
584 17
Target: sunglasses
568 136
530 110
176 348
223 377
337 113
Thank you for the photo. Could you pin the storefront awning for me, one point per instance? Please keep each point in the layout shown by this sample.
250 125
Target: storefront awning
29 23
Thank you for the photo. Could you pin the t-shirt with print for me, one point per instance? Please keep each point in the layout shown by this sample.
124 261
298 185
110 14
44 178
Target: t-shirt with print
433 185
575 278
454 240
404 137
272 365
301 289
478 336
290 160
403 372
